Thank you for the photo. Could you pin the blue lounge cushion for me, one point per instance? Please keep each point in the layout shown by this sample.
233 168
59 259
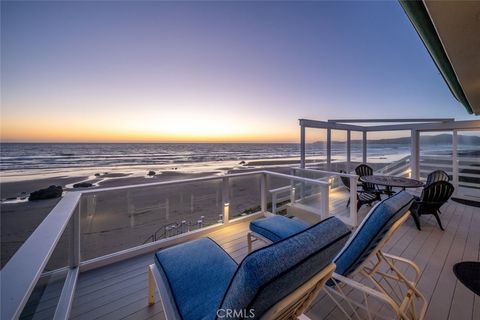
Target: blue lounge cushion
371 231
269 274
277 227
197 273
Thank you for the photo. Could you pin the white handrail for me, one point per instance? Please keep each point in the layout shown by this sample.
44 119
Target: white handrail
281 189
331 173
21 273
172 182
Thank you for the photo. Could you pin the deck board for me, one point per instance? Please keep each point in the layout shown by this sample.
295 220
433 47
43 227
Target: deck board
463 299
118 291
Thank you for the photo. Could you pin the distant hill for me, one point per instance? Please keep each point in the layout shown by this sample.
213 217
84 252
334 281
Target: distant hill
436 139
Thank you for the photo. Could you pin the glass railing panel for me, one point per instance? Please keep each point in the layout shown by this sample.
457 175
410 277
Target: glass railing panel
43 301
61 253
305 190
308 189
116 220
388 152
278 194
435 153
356 149
468 157
309 204
315 145
309 195
339 150
30 213
306 195
244 195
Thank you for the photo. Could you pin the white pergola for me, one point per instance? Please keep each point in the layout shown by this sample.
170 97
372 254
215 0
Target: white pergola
415 126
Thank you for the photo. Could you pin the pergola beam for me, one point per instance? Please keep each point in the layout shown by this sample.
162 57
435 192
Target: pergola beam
435 124
432 126
329 125
390 120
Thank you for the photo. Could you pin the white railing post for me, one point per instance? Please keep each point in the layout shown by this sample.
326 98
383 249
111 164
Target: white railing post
302 145
74 257
455 178
353 201
329 149
292 186
274 203
364 147
325 201
415 152
226 200
263 192
349 150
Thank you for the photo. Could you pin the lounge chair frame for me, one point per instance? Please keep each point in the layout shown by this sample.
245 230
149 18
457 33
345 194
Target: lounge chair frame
404 299
384 274
291 307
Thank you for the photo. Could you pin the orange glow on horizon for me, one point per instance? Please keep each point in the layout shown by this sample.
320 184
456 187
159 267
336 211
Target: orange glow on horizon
57 130
152 126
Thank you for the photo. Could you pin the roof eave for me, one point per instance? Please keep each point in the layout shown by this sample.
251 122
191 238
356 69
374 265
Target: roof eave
420 19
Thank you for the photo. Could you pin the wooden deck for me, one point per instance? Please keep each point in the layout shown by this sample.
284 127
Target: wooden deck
119 291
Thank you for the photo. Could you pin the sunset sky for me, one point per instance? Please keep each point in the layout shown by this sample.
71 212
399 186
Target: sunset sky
208 71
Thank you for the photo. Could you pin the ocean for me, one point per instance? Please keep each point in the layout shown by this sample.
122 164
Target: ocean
25 156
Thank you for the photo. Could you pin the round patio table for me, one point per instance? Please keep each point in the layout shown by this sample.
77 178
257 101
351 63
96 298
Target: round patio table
392 181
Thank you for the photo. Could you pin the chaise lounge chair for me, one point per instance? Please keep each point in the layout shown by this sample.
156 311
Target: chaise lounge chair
362 257
199 280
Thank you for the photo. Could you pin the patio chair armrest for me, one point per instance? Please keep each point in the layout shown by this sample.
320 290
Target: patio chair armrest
361 287
407 262
341 280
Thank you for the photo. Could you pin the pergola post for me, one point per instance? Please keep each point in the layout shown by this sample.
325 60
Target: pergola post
349 149
302 145
364 147
415 154
329 149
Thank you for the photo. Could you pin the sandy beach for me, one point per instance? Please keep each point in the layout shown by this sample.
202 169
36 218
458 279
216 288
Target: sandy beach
117 220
